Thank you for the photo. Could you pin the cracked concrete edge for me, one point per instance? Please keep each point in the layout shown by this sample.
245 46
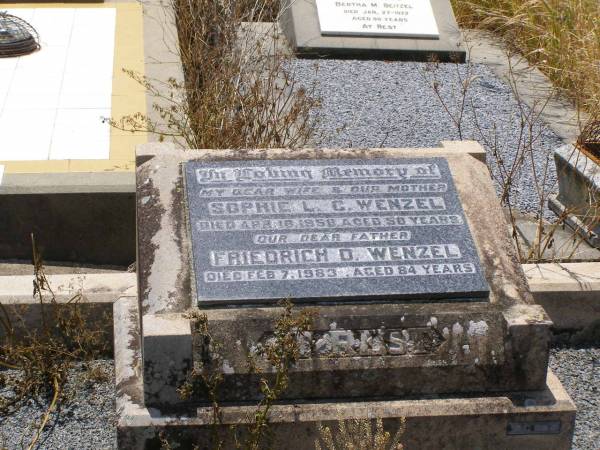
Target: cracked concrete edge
128 359
532 86
564 277
68 183
568 292
94 287
98 293
138 425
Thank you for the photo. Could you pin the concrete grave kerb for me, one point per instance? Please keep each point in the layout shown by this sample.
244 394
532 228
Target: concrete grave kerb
508 336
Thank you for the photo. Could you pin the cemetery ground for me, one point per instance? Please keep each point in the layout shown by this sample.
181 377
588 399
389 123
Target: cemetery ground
560 38
68 395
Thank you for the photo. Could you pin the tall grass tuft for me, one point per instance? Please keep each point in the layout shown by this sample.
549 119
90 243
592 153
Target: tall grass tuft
238 90
36 357
560 37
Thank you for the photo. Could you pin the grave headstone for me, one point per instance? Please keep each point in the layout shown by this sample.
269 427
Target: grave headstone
408 277
388 29
329 230
392 18
206 220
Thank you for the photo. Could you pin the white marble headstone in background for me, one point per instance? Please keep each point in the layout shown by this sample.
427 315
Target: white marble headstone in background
387 18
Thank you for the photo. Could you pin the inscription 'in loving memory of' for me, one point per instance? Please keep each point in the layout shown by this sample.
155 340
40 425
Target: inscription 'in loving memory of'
354 226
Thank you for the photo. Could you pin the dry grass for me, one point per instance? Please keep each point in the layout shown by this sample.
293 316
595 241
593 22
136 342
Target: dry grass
40 356
509 165
204 382
360 434
560 37
237 92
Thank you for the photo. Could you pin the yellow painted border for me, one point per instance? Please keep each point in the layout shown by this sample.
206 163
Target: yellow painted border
128 97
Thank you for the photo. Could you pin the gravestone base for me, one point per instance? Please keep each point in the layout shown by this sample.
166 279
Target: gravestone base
436 348
377 347
542 419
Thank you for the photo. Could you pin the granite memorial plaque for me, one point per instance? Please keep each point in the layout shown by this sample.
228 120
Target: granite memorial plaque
392 18
318 230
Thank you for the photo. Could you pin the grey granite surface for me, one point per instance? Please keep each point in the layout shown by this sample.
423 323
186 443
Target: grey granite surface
333 229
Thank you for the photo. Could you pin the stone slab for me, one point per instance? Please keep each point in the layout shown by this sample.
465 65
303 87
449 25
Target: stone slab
541 420
410 347
94 287
300 23
98 292
164 256
83 227
390 18
563 277
578 192
569 292
339 230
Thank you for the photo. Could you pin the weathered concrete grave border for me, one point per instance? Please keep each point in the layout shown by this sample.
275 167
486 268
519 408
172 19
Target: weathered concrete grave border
446 347
579 192
541 420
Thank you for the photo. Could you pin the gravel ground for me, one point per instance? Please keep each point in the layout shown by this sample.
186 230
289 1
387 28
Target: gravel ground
88 420
393 104
85 421
579 372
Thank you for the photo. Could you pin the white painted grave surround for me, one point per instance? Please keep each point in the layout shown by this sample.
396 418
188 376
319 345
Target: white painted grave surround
385 18
52 102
